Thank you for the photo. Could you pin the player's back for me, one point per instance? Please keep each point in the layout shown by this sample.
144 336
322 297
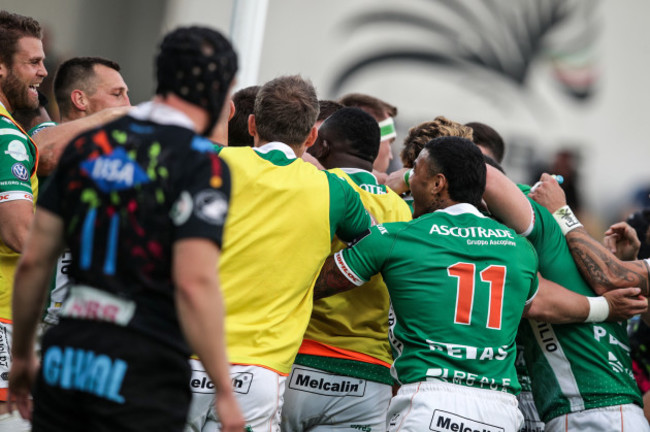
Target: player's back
357 320
125 195
458 283
280 224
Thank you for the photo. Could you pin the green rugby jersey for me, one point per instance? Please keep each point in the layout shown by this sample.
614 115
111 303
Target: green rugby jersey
458 283
573 367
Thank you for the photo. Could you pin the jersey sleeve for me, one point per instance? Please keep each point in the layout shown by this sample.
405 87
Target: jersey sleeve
366 257
201 206
348 218
17 161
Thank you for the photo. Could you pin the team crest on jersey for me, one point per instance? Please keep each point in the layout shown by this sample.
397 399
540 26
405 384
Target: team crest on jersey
17 150
182 209
115 171
19 171
211 206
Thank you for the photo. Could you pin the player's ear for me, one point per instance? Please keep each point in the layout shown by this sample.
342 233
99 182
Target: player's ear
79 100
439 183
252 128
311 138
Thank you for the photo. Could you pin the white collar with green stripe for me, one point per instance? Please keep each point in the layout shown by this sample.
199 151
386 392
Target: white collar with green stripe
279 146
462 208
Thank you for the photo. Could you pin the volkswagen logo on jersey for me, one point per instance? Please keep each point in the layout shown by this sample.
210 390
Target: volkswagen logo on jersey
115 171
19 171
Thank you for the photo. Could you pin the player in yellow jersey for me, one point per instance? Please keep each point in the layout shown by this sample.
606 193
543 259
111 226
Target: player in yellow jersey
282 218
345 348
21 72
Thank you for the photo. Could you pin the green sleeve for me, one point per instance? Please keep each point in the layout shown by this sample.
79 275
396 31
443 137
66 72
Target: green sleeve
39 127
348 218
367 256
17 159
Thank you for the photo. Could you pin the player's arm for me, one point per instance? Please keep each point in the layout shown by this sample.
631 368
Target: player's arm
331 280
354 266
506 202
15 219
348 218
557 305
52 140
200 312
600 268
31 281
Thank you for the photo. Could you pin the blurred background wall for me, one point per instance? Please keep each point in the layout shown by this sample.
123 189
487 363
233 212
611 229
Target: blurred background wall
564 81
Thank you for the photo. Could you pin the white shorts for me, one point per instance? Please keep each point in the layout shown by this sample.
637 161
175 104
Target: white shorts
532 422
445 407
259 392
6 331
315 400
614 418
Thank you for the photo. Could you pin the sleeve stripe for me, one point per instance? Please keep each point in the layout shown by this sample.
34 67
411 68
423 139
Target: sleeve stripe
15 195
345 269
533 296
12 132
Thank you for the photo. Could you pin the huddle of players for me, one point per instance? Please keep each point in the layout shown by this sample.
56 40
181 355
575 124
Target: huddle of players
459 281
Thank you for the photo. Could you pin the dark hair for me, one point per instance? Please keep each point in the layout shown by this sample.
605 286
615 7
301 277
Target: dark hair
421 134
370 104
286 109
356 128
493 163
198 65
76 73
462 163
12 28
244 101
485 136
327 108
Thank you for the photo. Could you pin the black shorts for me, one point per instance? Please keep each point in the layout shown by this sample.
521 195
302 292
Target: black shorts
100 377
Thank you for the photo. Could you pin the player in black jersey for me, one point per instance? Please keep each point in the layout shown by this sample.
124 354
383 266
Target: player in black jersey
141 202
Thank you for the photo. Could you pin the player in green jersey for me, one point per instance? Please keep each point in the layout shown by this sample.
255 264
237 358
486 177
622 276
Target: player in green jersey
459 283
346 342
581 374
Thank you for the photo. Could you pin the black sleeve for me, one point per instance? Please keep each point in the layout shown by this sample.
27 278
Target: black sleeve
202 202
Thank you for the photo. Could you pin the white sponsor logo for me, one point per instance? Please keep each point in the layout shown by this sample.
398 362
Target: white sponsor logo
473 232
114 170
343 267
326 384
182 209
468 378
89 303
443 421
17 150
211 206
467 352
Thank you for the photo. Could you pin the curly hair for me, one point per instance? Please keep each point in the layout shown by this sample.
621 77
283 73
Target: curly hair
421 134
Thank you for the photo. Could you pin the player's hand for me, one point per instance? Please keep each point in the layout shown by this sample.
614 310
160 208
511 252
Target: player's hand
624 303
230 416
395 181
622 241
307 157
548 193
21 379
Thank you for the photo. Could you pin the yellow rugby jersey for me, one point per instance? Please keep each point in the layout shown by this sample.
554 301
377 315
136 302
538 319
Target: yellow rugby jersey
18 181
356 322
282 217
